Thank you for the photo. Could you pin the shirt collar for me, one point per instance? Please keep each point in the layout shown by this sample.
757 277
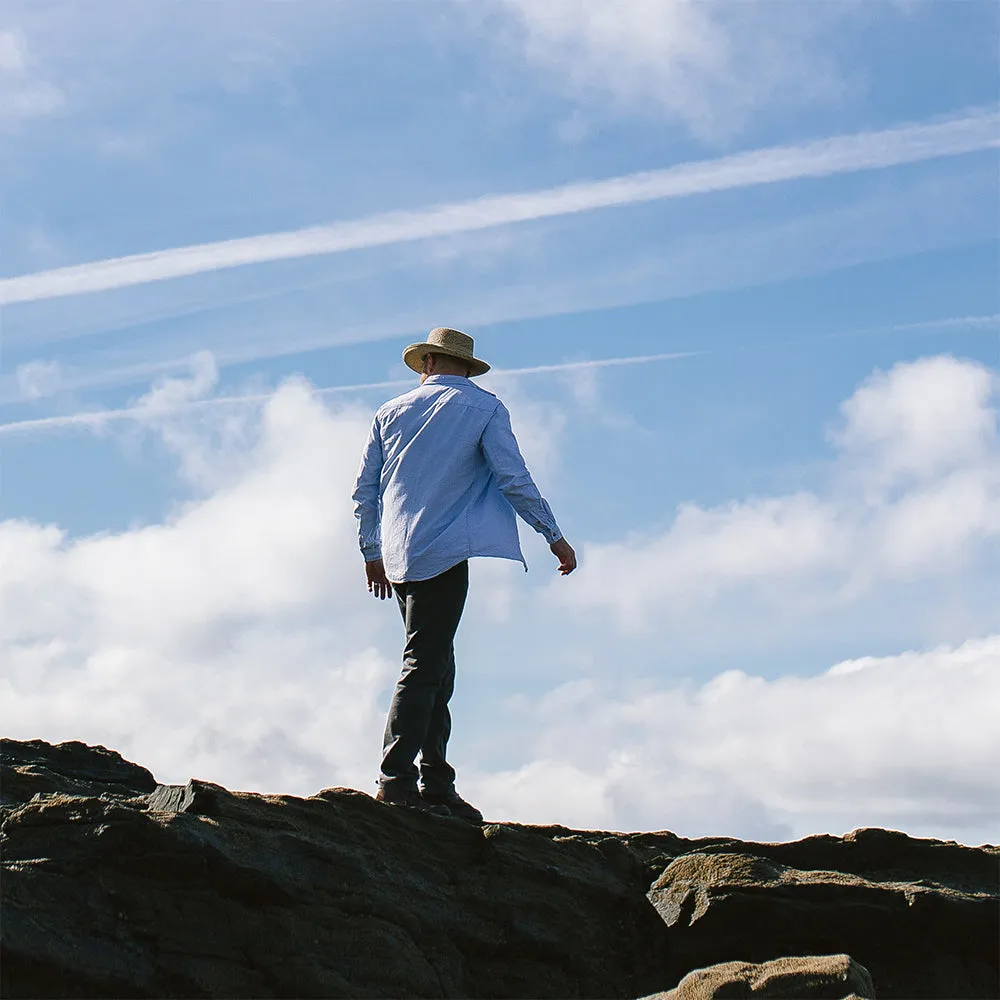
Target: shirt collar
445 380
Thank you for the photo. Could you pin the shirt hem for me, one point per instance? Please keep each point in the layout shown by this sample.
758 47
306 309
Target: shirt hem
474 555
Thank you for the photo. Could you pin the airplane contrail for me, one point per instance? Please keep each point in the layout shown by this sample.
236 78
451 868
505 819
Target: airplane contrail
819 158
99 418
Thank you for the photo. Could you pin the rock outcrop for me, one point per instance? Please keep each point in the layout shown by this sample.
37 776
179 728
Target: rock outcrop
115 886
825 977
753 901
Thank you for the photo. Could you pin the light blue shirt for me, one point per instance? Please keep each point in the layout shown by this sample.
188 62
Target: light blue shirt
440 480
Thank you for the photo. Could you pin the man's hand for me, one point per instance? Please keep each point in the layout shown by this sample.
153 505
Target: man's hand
378 584
563 551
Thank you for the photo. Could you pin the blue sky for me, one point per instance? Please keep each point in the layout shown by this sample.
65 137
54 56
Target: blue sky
736 266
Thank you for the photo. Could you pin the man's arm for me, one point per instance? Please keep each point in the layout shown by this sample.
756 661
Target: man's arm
506 462
367 511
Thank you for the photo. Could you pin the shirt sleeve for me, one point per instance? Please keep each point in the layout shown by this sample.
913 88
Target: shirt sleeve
504 459
366 496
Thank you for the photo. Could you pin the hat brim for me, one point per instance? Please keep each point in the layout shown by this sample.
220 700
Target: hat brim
413 357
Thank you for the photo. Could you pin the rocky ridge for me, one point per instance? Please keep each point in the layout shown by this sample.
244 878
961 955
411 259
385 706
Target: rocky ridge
114 885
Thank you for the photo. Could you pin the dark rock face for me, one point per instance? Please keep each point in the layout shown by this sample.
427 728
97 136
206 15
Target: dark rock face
34 767
114 886
201 892
933 936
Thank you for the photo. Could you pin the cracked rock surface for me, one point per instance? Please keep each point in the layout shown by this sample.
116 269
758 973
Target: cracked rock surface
116 886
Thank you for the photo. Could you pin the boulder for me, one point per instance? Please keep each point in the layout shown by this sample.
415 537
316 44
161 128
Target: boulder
814 977
919 938
879 854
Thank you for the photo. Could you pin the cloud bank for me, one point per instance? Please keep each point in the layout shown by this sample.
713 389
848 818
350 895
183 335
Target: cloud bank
914 492
206 643
234 640
907 742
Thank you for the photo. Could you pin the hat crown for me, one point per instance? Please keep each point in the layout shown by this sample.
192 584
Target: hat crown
445 340
452 341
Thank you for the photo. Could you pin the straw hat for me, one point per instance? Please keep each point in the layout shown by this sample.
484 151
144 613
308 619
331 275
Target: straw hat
442 340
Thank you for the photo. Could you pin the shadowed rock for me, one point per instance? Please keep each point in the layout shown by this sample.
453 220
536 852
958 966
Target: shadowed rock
33 767
116 886
920 938
197 891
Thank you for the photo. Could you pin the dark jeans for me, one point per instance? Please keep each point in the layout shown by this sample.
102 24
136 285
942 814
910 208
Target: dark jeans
419 720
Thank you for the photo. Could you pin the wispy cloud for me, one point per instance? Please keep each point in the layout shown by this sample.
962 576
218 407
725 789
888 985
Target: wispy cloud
819 158
712 65
23 94
39 377
100 418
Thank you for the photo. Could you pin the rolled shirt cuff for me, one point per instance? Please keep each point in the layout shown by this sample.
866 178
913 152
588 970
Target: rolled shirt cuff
371 552
546 523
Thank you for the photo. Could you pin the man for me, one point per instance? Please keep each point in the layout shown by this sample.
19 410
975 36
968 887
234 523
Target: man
440 480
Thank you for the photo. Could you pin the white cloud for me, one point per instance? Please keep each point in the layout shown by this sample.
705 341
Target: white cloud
234 641
914 492
12 57
712 65
919 422
908 742
169 47
36 379
23 93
